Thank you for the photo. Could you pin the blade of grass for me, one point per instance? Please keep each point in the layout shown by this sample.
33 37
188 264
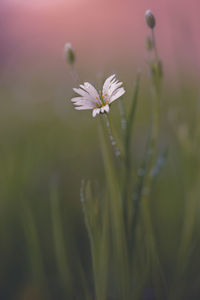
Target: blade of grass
34 249
127 159
59 241
120 255
97 223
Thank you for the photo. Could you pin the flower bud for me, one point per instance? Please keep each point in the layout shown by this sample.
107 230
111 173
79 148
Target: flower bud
150 19
69 53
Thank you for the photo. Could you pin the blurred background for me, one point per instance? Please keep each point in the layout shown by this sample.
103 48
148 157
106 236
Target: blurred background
47 147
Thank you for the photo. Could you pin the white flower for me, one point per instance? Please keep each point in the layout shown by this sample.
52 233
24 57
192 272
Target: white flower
99 102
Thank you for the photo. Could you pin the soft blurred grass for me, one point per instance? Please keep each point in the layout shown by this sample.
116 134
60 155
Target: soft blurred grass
47 148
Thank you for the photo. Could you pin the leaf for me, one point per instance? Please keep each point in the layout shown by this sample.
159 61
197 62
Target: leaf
131 116
117 222
59 240
97 222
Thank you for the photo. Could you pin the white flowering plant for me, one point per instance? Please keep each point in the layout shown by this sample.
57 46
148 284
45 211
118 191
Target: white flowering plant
98 102
122 216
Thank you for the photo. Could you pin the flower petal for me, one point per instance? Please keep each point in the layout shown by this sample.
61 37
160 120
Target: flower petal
82 103
75 99
106 108
88 87
95 112
87 99
107 84
83 107
114 87
118 93
81 92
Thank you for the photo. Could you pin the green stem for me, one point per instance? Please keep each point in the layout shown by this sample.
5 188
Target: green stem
111 137
153 262
154 45
127 159
75 75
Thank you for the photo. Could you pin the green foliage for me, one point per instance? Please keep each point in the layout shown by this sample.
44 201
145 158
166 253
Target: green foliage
135 234
44 241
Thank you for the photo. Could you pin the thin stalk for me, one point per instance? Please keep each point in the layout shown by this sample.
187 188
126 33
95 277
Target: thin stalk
74 74
119 258
97 226
154 263
130 127
34 249
111 137
154 45
156 115
137 198
58 237
123 116
127 158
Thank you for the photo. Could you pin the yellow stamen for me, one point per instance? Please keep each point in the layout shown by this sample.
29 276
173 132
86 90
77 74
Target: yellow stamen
97 98
102 97
107 102
106 95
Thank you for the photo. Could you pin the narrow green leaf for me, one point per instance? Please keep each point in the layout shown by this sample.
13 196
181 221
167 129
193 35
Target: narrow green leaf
34 248
97 222
59 240
117 222
131 116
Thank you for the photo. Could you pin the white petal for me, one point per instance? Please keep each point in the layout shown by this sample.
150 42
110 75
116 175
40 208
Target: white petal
81 99
87 91
107 83
90 89
117 94
114 87
106 108
95 112
102 109
81 92
75 99
82 102
83 107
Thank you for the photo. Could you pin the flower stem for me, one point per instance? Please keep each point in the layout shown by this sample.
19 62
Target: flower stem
146 209
154 45
75 75
111 137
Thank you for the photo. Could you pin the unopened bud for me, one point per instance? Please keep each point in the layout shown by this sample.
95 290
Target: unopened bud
69 53
150 19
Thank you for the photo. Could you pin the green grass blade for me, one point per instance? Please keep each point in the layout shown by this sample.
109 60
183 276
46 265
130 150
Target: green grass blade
34 249
97 223
59 240
118 231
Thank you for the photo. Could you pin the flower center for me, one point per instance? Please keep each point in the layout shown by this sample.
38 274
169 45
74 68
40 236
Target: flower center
101 100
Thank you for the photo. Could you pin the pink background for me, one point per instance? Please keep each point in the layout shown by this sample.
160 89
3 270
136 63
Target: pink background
103 32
